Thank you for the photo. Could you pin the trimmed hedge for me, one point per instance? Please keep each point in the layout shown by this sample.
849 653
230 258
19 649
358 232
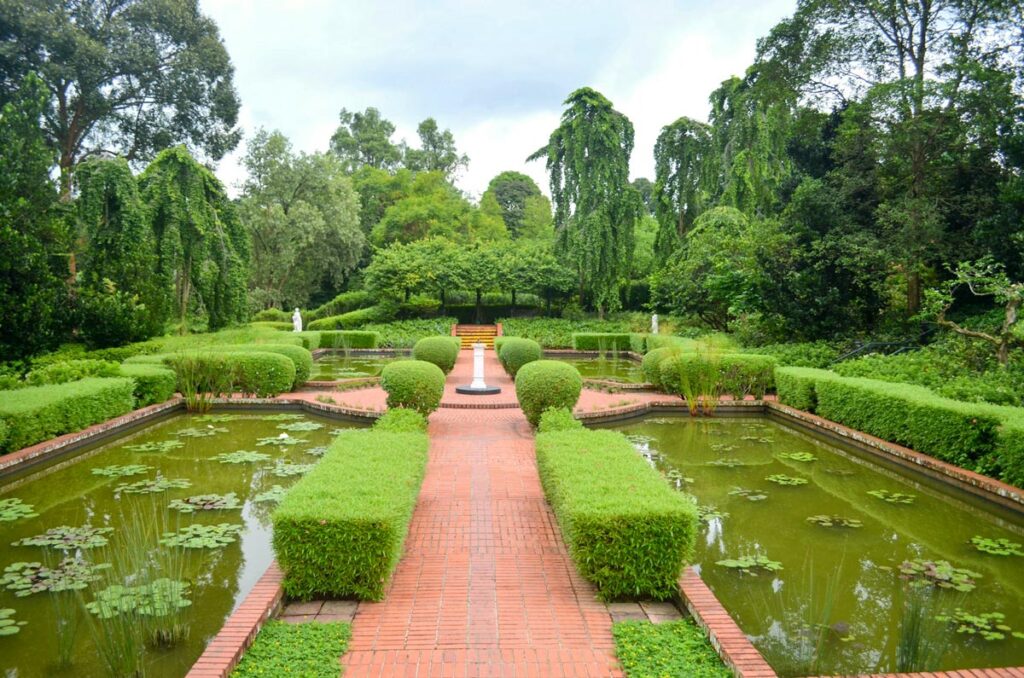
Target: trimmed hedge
341 304
273 325
261 374
601 341
545 384
301 358
401 420
273 315
339 531
413 384
514 352
348 339
638 342
348 321
628 532
37 413
441 351
153 384
1009 451
558 419
71 370
651 364
737 374
795 386
670 340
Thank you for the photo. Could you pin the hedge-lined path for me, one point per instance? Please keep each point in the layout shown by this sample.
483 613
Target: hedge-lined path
485 586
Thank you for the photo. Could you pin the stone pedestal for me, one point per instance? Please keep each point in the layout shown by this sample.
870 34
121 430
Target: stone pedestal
478 386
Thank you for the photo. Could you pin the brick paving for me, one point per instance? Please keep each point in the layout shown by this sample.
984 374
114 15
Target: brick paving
485 587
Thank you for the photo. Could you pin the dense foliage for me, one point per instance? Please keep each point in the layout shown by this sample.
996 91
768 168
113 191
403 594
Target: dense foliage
545 384
675 648
441 351
413 384
309 649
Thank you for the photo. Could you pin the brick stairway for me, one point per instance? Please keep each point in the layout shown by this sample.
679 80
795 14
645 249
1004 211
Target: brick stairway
472 334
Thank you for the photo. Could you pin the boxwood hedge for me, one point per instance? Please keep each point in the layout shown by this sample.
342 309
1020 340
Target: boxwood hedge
544 384
257 373
153 383
348 339
628 532
442 351
71 370
601 341
339 531
795 386
37 413
413 384
514 352
301 358
348 321
650 366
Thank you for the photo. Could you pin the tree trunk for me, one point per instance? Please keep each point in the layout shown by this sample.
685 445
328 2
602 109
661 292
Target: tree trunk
512 311
1003 353
444 303
913 293
408 293
548 297
479 307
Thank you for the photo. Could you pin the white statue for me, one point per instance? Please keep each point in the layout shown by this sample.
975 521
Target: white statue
654 323
297 320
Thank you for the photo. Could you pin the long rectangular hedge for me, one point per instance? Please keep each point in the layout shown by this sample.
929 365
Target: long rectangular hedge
339 531
37 413
348 339
601 341
628 532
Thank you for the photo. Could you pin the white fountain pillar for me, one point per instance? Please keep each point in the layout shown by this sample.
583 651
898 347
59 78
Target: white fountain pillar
478 367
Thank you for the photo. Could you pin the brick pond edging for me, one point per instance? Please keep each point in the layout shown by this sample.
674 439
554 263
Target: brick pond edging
223 653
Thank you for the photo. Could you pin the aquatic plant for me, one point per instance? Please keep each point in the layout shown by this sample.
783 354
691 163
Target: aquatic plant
749 495
216 418
67 538
758 439
240 457
805 457
728 462
921 642
318 451
301 426
70 574
153 486
161 446
9 626
283 440
893 497
116 471
938 573
287 469
997 547
204 536
206 502
67 619
841 472
155 599
723 447
12 509
196 432
283 417
676 478
273 495
750 564
783 479
834 521
988 625
706 513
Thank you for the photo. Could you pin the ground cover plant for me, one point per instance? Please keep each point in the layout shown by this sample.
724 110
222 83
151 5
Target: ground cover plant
675 648
310 650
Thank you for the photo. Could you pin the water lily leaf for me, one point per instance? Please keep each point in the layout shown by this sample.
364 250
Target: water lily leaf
161 446
287 470
116 471
157 599
12 509
153 486
997 547
805 457
834 521
203 536
751 564
893 497
240 457
783 479
274 495
206 502
71 574
67 538
301 426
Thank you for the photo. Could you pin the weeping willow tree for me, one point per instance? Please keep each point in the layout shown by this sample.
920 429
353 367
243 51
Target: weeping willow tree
201 245
596 208
685 168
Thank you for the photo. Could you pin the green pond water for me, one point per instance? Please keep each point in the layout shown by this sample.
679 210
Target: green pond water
68 493
610 368
336 366
837 605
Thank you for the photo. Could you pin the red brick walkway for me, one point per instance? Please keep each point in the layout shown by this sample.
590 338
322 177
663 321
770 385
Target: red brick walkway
485 587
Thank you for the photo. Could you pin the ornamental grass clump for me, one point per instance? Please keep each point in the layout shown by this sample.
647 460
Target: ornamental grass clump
545 384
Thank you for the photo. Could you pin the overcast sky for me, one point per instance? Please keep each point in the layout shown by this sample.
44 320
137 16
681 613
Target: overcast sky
494 73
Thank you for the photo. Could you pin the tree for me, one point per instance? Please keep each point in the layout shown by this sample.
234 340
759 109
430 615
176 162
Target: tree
34 304
201 246
126 78
685 173
437 152
510 192
527 266
302 214
596 209
645 187
378 190
364 140
434 265
433 207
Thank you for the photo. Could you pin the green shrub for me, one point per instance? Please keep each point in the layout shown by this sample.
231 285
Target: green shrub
343 303
310 650
638 343
301 358
655 341
516 352
3 434
273 325
819 354
273 315
675 648
348 339
310 339
261 374
339 531
651 364
1009 451
413 384
71 370
349 321
628 532
557 332
401 420
405 333
600 341
153 384
736 374
37 413
558 419
544 384
795 386
442 351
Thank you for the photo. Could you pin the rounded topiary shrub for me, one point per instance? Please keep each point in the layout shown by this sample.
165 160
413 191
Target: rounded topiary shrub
544 384
442 351
651 364
516 352
413 384
401 420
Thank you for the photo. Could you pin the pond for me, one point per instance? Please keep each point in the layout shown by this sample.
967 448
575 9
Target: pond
250 456
860 547
337 366
604 367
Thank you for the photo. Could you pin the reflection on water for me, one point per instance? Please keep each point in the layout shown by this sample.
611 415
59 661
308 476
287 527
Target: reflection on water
337 366
610 368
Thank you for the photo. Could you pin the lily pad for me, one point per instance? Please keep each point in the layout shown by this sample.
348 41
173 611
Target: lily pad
283 440
8 626
783 479
677 479
727 462
749 495
986 625
707 513
722 447
67 538
12 509
206 502
153 486
758 439
116 471
274 495
893 497
841 472
71 574
301 426
157 599
287 469
283 417
939 573
200 432
805 457
751 564
240 457
216 418
834 521
317 451
203 536
161 446
997 547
